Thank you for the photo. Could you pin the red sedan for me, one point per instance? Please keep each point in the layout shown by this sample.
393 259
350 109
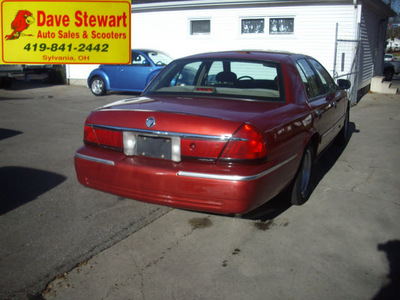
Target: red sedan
218 132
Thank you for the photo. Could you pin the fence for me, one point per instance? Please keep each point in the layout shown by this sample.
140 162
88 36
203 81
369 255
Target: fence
346 63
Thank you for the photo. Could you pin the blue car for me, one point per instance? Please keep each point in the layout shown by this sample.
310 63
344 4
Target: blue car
128 78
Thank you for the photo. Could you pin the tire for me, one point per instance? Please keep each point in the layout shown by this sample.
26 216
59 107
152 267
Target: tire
344 134
301 189
97 86
388 73
7 83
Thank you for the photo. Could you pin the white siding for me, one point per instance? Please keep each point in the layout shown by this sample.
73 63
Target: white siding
76 73
314 34
314 30
368 39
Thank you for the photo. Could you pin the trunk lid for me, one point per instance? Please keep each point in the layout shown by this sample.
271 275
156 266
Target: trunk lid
200 115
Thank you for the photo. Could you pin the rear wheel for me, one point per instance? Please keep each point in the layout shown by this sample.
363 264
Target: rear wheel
388 73
302 183
5 82
97 86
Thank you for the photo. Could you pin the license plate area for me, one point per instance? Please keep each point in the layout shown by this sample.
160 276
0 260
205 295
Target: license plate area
157 147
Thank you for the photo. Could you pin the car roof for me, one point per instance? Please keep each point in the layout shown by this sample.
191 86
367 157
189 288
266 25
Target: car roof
248 54
143 50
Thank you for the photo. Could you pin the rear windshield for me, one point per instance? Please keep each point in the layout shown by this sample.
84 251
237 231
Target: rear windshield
253 80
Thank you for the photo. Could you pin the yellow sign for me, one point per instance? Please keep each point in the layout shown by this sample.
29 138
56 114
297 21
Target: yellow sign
65 32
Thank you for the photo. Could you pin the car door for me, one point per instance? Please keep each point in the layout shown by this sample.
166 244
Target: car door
322 99
134 76
330 88
111 72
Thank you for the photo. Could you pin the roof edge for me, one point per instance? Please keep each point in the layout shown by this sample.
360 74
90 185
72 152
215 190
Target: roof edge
159 5
194 4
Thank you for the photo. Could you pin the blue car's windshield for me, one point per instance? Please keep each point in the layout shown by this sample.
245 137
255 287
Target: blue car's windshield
159 58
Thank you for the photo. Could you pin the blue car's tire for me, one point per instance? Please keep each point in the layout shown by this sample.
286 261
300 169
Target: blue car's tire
97 86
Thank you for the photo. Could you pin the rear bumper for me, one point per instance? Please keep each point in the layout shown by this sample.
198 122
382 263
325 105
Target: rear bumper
186 185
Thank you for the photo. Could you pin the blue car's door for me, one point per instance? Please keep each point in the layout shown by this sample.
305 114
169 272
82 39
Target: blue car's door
111 71
133 76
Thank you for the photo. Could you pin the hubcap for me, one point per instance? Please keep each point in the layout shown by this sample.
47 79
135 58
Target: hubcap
305 172
346 126
97 86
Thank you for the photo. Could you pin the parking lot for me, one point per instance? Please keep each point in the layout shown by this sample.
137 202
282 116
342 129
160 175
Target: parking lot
59 240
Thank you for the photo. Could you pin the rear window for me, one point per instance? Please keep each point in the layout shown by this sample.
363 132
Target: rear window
252 80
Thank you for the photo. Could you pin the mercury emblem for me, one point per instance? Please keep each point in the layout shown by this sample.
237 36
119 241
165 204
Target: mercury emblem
150 122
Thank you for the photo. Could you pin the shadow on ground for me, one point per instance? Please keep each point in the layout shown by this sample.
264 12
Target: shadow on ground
281 202
8 133
391 290
19 186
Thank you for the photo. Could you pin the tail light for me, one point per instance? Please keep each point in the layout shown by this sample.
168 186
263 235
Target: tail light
201 149
247 143
103 137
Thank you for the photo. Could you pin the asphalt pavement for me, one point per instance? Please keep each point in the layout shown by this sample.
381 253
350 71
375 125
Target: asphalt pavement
48 222
343 243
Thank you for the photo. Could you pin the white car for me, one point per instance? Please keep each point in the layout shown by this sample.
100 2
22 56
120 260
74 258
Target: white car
389 57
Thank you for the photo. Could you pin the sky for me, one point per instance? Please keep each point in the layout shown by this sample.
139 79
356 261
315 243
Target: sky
395 5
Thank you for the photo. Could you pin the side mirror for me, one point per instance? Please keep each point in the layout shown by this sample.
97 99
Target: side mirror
344 84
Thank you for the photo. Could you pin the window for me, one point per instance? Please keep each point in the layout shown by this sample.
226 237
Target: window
281 25
221 78
139 60
252 26
186 75
309 78
159 58
200 27
328 84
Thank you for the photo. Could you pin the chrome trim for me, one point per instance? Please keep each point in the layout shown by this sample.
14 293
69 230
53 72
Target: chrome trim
95 159
236 177
166 133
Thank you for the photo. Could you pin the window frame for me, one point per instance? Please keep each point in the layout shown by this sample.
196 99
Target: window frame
190 29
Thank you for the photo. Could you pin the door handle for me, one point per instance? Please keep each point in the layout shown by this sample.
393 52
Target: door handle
319 112
333 104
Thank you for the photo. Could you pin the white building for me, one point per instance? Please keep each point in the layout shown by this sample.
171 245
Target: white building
346 36
393 44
